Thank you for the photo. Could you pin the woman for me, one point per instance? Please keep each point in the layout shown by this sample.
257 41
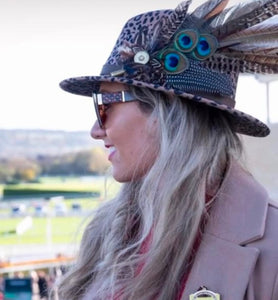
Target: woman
188 222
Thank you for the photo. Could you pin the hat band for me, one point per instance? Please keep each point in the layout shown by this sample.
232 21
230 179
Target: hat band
116 70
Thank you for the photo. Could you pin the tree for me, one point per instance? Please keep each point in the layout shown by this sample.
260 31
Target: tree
91 162
18 169
86 162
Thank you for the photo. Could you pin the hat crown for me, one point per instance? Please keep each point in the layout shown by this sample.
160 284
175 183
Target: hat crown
171 62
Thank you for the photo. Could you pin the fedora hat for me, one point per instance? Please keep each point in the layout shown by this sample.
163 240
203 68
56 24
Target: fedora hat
197 56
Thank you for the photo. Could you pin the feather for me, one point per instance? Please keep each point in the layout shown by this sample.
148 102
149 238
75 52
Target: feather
237 11
253 42
142 36
247 19
220 19
209 9
155 36
267 27
243 62
240 63
170 25
126 49
268 52
261 59
256 67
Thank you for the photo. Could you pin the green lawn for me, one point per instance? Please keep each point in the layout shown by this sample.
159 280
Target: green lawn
66 229
43 231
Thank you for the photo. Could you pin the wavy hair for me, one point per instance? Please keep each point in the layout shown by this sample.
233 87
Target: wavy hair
138 245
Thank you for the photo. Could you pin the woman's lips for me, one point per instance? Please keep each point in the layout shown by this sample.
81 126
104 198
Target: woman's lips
112 151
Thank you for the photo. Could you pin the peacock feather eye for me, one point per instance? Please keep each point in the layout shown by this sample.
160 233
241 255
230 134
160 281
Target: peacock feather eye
173 61
186 40
206 47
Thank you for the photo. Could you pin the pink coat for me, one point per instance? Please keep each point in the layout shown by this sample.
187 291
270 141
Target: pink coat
238 257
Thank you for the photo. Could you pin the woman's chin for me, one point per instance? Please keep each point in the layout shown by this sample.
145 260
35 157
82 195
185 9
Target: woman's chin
120 176
123 176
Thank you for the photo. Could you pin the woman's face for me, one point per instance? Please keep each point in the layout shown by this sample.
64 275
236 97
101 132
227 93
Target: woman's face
130 135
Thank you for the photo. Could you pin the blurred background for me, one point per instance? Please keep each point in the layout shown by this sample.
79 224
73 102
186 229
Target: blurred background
52 174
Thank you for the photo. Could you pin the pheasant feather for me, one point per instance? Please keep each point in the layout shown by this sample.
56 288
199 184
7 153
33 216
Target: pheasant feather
236 12
271 61
248 19
170 25
267 29
209 9
256 41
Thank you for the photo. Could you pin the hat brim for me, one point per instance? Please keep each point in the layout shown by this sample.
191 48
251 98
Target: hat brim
242 122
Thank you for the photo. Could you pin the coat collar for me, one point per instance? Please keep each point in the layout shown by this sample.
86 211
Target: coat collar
239 212
237 217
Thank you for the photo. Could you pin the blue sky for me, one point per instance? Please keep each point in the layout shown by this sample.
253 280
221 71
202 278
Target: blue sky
45 41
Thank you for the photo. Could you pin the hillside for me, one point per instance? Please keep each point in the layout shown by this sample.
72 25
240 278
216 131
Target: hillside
30 143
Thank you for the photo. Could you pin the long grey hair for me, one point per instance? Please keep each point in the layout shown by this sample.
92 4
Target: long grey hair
139 245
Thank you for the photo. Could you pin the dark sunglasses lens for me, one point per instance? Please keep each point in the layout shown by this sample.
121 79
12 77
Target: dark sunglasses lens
102 114
99 109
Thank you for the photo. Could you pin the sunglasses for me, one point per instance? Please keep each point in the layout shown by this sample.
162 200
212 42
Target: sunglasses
103 100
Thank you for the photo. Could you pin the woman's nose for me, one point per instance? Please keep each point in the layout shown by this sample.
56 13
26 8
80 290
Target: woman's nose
97 132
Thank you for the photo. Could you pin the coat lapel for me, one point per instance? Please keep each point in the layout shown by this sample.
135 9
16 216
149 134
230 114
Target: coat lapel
222 267
224 262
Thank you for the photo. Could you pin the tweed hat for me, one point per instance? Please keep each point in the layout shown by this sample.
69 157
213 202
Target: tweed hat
197 55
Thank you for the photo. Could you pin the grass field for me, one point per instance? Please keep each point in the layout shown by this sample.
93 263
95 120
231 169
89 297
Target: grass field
43 231
52 228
